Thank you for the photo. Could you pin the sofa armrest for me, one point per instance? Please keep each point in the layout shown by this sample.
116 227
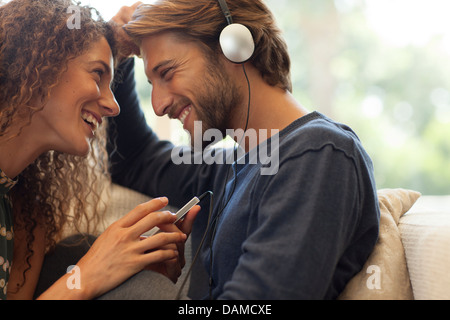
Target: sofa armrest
425 232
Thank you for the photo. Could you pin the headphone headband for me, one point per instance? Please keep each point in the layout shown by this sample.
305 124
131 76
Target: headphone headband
226 11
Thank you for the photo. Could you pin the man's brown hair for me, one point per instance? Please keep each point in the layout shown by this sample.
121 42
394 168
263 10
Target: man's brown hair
203 20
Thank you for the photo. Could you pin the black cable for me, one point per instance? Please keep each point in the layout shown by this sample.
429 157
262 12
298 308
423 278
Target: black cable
201 242
209 222
215 221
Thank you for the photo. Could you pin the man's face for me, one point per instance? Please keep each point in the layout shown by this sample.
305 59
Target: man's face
187 85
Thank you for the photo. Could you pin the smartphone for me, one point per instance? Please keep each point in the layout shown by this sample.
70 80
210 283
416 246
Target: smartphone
180 215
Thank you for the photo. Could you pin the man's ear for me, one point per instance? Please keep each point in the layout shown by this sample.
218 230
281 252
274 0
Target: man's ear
232 67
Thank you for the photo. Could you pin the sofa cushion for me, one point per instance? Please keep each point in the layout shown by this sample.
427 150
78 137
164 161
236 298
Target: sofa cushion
385 274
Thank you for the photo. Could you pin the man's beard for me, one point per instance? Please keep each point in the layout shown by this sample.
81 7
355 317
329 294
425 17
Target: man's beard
218 101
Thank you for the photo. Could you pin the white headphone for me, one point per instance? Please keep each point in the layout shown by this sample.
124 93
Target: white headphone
235 39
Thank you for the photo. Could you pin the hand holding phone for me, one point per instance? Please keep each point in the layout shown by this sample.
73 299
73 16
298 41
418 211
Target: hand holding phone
180 215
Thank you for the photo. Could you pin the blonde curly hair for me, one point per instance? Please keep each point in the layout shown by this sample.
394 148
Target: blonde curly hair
58 191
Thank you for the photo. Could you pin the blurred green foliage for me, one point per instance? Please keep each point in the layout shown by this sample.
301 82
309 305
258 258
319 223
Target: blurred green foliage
396 98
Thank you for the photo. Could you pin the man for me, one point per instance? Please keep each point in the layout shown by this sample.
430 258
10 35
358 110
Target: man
297 224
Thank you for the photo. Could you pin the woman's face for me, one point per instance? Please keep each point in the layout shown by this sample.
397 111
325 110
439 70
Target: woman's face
79 102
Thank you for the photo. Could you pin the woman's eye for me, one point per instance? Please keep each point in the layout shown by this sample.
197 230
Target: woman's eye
99 72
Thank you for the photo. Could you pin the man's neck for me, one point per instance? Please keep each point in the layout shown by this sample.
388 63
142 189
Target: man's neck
271 109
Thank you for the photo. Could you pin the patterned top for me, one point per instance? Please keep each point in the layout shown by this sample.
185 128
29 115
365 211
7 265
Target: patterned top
6 233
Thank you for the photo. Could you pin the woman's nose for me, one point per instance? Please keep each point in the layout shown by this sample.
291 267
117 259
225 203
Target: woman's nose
109 105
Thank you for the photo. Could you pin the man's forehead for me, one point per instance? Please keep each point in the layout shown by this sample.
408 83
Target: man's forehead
158 40
156 47
162 47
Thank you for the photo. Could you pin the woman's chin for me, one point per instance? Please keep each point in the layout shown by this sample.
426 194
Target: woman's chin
82 150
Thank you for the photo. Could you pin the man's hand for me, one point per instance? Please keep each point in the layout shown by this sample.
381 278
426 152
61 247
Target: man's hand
172 268
126 46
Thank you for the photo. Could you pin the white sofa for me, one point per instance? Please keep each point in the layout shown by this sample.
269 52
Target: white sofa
425 231
410 261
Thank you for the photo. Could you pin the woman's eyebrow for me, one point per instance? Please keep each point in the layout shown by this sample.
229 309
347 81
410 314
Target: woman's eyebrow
105 65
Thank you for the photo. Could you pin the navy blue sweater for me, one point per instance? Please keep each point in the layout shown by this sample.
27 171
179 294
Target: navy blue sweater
300 233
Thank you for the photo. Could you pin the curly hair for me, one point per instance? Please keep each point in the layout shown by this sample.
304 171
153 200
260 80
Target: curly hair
58 191
203 21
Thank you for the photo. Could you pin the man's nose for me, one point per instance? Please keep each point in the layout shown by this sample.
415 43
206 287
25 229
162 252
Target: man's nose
161 100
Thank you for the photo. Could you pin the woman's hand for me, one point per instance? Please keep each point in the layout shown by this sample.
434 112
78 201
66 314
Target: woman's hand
120 252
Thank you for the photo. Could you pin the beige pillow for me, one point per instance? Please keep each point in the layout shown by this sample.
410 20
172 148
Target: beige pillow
385 274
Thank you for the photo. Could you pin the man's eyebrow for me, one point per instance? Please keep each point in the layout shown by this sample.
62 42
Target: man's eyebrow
161 64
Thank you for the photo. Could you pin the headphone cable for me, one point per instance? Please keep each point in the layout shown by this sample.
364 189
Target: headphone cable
201 242
216 218
214 221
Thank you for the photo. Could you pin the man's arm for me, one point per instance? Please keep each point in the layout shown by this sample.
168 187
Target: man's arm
312 234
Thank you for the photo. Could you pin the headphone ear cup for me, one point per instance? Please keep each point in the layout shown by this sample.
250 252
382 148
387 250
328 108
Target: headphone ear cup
237 43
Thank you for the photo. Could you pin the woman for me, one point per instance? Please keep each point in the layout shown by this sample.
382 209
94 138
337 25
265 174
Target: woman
55 93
